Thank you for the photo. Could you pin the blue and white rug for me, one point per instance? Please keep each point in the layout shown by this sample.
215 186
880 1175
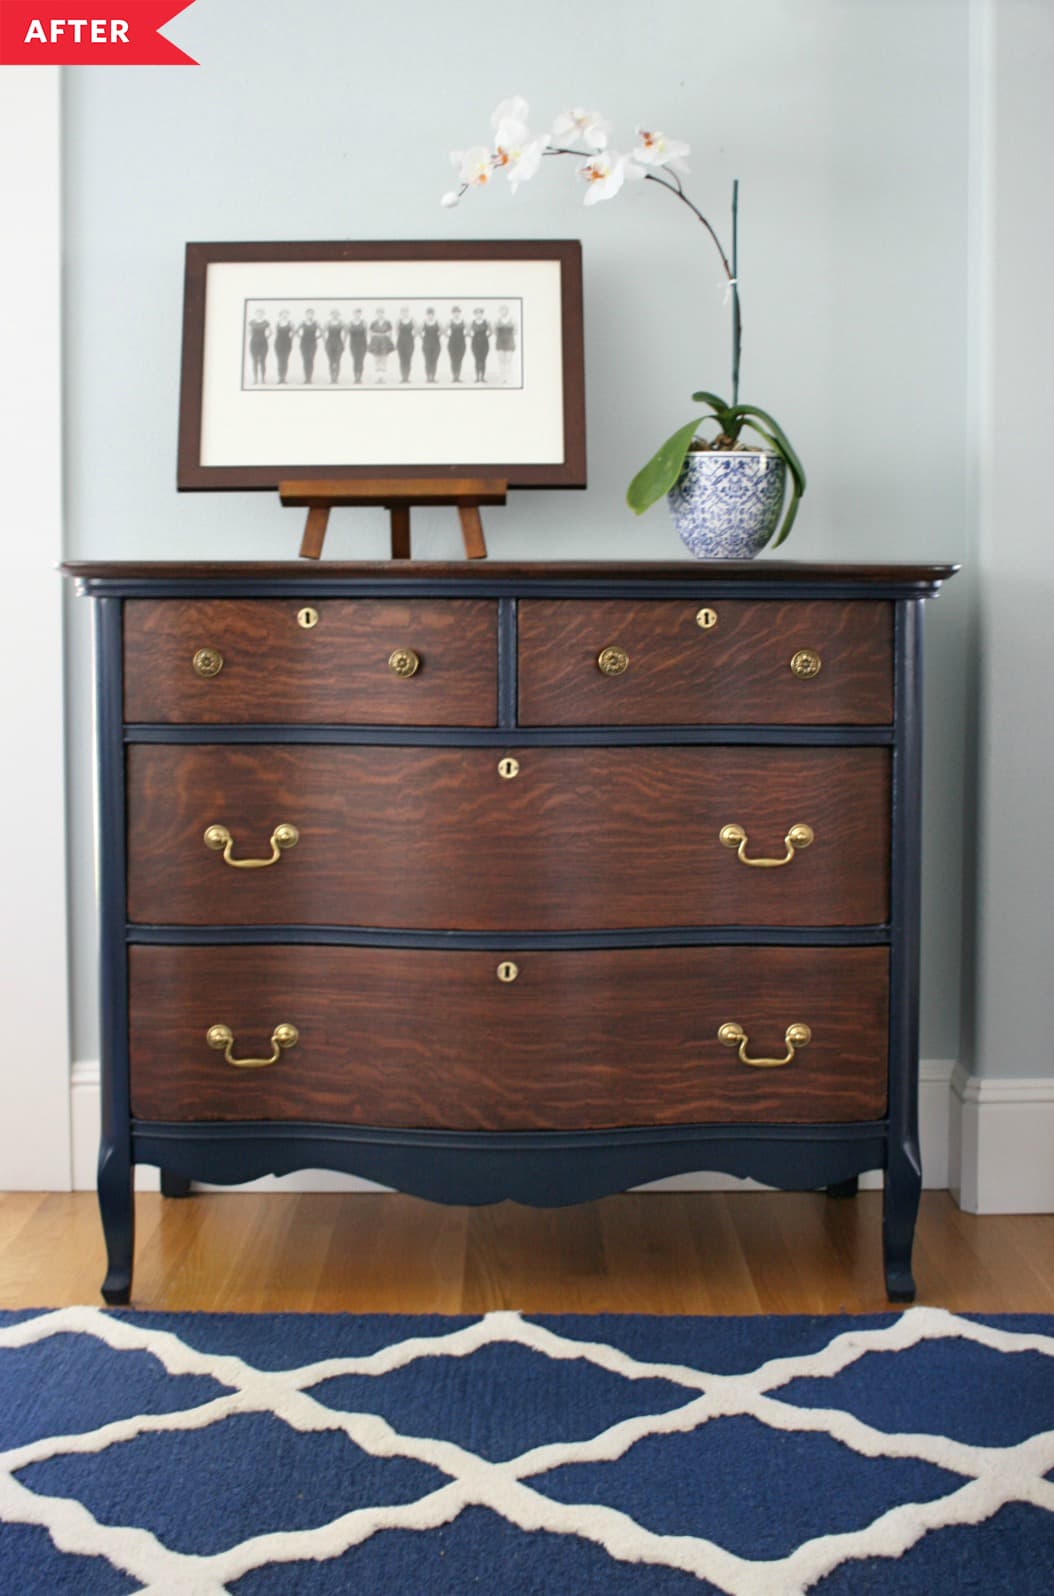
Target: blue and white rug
197 1454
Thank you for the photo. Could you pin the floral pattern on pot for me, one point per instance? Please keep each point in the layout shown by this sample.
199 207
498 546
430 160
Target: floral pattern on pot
726 503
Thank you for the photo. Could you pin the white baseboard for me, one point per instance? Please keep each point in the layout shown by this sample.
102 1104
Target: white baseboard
1002 1144
934 1105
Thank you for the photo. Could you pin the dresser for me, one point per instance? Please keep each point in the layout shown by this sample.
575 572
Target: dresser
510 881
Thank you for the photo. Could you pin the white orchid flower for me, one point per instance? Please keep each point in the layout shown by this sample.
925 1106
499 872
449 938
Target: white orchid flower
655 149
474 166
581 127
518 152
451 198
605 174
512 110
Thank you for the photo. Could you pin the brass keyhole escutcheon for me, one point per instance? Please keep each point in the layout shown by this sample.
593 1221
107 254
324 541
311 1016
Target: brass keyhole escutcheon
507 971
307 617
612 661
509 768
207 662
404 663
706 618
806 664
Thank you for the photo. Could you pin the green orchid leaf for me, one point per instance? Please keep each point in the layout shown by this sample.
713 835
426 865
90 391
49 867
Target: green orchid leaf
722 411
662 470
785 444
777 447
770 439
712 399
789 514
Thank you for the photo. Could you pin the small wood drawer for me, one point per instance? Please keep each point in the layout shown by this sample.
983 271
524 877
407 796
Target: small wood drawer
615 662
383 662
429 1039
568 839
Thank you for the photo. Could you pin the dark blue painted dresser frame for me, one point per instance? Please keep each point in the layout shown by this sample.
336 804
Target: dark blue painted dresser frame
542 1168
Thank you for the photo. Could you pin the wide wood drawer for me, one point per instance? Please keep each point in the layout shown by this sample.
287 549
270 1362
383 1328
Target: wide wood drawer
251 660
619 662
430 1038
438 838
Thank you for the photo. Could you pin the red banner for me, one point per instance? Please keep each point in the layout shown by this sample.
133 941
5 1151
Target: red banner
99 33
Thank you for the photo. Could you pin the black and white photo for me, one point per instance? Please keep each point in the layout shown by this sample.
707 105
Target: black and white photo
427 338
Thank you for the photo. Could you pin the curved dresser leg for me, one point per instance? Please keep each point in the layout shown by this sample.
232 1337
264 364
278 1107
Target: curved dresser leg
900 1205
173 1185
117 1208
844 1188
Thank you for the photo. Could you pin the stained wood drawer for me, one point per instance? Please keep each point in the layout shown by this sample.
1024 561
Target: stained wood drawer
337 671
580 839
736 670
434 1039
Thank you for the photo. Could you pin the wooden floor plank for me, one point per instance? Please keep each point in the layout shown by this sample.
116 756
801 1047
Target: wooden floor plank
1028 1245
391 1254
655 1262
650 1252
726 1283
987 1259
854 1229
542 1260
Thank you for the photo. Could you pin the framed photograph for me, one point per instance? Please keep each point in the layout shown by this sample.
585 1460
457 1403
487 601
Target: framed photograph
365 359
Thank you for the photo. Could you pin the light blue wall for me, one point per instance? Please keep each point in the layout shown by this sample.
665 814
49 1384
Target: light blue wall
846 121
1012 841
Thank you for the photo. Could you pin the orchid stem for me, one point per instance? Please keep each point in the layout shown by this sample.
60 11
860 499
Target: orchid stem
678 193
731 267
737 324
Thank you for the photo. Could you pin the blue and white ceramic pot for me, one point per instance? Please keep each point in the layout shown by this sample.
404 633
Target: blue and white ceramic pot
726 502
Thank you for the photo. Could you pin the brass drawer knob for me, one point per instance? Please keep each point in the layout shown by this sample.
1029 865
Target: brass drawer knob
404 663
612 661
221 1037
799 836
706 618
806 664
208 662
508 768
507 971
219 838
795 1036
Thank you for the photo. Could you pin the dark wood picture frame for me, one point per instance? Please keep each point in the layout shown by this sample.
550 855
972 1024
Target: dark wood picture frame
568 472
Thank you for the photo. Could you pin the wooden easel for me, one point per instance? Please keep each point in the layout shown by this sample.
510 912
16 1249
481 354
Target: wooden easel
396 495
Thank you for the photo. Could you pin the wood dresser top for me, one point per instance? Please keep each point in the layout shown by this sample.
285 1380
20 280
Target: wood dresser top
117 575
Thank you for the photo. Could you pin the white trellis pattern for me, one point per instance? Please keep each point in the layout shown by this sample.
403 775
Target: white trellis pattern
992 1475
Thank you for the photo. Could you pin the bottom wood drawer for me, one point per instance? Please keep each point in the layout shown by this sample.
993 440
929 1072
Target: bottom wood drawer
429 1039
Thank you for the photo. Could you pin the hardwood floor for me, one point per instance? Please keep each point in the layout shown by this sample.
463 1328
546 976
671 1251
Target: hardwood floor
693 1253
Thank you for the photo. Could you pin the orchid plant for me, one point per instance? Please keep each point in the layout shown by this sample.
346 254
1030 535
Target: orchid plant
517 152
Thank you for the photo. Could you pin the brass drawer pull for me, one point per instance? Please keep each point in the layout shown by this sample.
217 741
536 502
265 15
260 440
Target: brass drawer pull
207 662
806 664
733 1035
799 836
221 1037
612 661
283 836
404 663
